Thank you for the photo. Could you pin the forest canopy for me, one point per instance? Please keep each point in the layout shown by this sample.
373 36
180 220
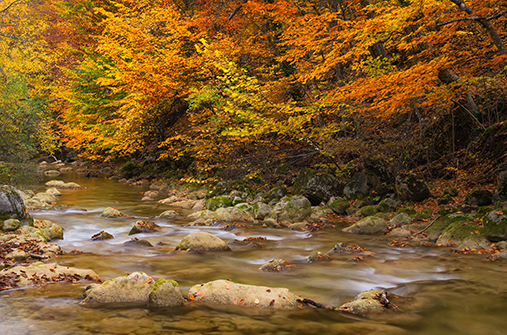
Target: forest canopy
248 86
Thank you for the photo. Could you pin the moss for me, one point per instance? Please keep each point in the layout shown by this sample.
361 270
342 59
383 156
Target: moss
407 210
422 215
443 222
463 230
368 210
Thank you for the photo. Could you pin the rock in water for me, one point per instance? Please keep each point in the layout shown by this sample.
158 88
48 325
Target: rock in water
224 292
201 242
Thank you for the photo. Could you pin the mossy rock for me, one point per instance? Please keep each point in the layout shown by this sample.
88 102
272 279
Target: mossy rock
218 202
444 222
423 215
407 210
339 205
460 231
452 192
479 198
368 210
165 293
444 200
317 186
202 242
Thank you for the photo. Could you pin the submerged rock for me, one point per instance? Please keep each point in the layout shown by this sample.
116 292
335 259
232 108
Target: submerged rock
202 242
135 242
224 292
40 273
371 302
316 256
62 184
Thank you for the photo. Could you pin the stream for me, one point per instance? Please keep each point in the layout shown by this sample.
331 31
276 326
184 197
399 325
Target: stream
457 294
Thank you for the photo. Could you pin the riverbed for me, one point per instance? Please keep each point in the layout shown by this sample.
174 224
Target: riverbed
454 293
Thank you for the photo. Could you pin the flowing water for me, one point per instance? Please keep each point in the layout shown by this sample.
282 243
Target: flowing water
452 294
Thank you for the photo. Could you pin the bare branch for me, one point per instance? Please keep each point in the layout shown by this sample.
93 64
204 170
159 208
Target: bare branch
236 10
470 18
12 4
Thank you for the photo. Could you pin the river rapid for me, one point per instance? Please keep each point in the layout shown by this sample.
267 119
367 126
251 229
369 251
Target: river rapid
454 294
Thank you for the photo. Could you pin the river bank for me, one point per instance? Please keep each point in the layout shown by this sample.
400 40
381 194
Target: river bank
442 280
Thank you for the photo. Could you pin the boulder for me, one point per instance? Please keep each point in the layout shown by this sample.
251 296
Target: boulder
138 243
371 302
135 287
218 202
261 210
479 198
40 273
361 185
53 191
501 187
369 225
142 226
201 242
165 293
411 187
45 198
225 292
339 205
12 206
101 236
232 214
316 186
400 220
111 212
295 208
52 173
11 225
62 184
345 248
387 205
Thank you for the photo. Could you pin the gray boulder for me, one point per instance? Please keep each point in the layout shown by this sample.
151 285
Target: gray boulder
479 198
317 187
142 226
339 205
296 209
201 242
261 210
370 225
400 220
361 185
501 187
224 292
12 206
135 287
232 214
411 187
11 225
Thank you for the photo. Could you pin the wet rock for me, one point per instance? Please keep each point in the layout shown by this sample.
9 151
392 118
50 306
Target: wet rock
371 302
184 203
261 210
271 223
134 287
316 256
400 220
51 230
411 187
53 191
319 214
138 243
202 242
479 198
62 184
17 255
223 292
169 214
11 225
151 194
168 201
316 186
345 248
296 209
400 232
165 293
101 236
277 265
52 173
40 273
45 198
299 225
231 214
144 227
111 212
369 225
